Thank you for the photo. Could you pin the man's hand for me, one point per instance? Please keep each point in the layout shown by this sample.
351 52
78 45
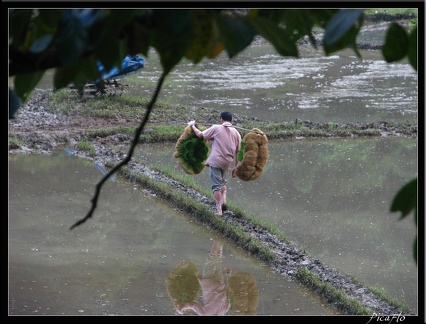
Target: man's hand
191 123
234 172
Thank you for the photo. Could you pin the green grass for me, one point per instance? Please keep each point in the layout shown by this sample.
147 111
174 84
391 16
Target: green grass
334 296
186 179
86 146
188 182
381 292
161 133
15 141
68 102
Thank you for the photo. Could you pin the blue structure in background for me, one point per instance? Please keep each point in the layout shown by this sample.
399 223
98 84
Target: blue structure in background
109 81
129 65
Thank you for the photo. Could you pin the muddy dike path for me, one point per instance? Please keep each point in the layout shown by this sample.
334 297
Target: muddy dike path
39 132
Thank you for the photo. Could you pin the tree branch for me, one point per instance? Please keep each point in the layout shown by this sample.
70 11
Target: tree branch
22 63
129 155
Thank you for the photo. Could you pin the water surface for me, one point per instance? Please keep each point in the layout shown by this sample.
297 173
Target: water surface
118 261
260 83
332 197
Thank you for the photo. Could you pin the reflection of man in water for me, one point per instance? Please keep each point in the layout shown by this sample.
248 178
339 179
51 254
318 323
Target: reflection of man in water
214 289
239 293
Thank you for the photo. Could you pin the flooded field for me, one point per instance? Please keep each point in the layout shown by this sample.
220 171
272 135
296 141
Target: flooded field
331 197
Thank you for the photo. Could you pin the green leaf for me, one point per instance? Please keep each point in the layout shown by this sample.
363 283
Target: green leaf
97 29
412 49
236 34
341 24
106 36
41 44
14 104
111 57
172 36
71 38
138 39
19 20
299 23
202 33
86 70
396 43
182 284
334 43
406 199
277 36
63 76
25 83
50 19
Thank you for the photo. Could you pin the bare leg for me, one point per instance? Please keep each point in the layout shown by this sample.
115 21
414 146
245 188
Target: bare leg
224 190
218 197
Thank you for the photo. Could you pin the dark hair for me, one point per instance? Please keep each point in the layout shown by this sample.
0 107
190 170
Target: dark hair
226 116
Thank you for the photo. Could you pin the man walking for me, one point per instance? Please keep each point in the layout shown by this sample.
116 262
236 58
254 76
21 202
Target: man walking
226 142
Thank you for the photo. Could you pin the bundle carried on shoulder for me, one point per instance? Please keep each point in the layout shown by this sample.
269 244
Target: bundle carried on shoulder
191 151
253 155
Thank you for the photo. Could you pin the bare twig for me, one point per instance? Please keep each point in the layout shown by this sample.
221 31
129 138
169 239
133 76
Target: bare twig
129 155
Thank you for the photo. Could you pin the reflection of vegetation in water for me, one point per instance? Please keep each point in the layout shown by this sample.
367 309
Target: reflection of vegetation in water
237 292
183 285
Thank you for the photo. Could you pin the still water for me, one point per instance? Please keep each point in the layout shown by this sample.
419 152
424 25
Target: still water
330 197
133 258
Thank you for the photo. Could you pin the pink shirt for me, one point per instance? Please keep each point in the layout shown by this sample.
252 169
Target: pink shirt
215 299
226 143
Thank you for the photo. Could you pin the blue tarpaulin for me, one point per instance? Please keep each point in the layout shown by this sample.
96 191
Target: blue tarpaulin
130 64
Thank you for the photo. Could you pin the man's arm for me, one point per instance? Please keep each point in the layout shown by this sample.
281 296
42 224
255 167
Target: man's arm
195 129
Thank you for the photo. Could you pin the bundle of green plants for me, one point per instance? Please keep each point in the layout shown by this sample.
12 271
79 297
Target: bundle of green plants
191 151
